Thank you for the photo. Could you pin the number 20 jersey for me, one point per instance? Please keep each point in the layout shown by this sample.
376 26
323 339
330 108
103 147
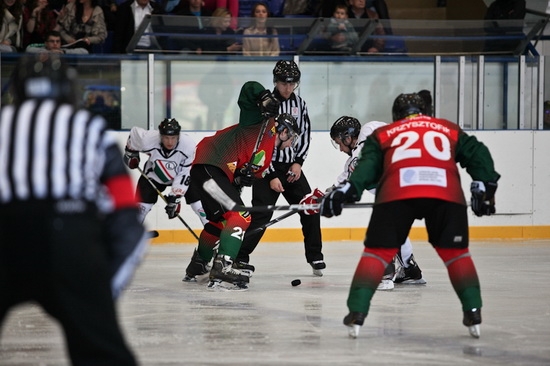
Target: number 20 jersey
419 160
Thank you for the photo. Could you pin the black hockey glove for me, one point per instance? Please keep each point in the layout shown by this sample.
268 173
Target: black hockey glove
269 105
483 197
173 206
333 202
131 158
243 178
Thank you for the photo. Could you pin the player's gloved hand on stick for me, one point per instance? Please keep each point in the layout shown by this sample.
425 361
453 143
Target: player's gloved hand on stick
131 158
483 197
269 105
313 197
333 202
243 178
173 206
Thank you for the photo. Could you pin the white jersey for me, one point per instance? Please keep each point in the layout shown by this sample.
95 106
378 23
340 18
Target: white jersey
164 167
350 164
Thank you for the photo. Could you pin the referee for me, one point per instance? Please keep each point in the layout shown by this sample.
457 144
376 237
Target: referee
58 165
286 176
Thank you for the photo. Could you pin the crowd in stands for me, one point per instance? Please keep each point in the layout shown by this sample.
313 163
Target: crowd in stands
86 26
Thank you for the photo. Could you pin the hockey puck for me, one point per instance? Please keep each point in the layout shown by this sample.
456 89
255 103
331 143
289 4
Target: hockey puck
295 282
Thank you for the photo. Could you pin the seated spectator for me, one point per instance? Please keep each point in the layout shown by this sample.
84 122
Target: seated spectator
82 25
53 45
342 36
232 6
219 26
38 20
357 10
260 46
11 12
192 8
128 19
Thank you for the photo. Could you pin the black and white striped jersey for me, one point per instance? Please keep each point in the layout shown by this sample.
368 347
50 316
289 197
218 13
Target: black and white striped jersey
297 108
51 151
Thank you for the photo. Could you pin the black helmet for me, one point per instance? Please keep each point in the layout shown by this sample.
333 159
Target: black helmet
427 96
406 105
285 120
44 76
286 71
345 126
169 127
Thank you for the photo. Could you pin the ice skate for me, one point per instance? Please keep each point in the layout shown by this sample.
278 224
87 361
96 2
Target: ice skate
196 268
245 268
472 319
318 267
219 285
354 321
386 284
411 275
223 276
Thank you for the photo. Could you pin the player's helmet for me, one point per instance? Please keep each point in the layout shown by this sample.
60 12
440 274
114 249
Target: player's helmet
44 76
286 71
345 126
407 104
169 127
285 120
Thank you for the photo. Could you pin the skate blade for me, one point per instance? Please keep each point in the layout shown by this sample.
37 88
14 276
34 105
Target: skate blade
353 330
385 285
203 278
474 330
318 272
217 285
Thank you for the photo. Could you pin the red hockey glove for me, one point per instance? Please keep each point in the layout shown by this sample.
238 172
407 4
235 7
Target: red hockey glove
131 158
313 197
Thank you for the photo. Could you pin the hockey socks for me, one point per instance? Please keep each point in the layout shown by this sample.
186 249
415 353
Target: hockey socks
367 276
209 239
463 276
232 234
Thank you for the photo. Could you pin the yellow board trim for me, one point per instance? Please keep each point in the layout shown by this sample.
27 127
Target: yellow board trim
358 234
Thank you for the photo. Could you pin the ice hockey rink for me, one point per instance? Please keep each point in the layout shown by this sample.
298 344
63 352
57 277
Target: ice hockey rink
168 322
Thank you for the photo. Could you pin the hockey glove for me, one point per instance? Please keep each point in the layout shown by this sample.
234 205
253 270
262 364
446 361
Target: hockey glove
269 105
173 206
243 178
313 197
483 197
131 158
332 203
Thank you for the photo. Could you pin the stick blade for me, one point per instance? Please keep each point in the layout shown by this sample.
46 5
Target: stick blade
214 190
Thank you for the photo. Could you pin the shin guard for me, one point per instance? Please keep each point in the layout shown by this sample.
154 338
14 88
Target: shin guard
463 276
209 239
367 276
232 233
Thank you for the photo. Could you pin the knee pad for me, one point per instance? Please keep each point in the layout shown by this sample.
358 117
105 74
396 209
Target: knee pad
450 255
239 221
213 228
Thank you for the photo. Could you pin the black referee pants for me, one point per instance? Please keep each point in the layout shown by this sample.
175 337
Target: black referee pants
59 261
263 195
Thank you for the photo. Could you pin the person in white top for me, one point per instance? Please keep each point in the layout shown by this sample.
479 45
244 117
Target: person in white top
348 135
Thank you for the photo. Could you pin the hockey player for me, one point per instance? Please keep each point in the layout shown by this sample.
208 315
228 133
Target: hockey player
57 247
287 177
230 158
348 135
413 163
171 154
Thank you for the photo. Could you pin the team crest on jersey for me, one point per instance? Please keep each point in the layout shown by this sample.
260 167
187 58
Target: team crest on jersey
232 166
295 112
166 170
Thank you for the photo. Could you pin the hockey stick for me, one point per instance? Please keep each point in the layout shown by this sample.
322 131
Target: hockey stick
274 221
219 195
257 145
166 201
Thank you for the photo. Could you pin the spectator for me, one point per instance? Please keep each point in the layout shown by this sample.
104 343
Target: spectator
53 45
342 36
192 8
357 10
259 46
10 25
219 26
128 18
83 24
38 20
